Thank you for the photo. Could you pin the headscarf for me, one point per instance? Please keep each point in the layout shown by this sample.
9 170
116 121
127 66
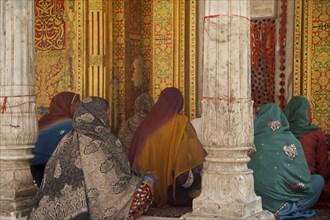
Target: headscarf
166 143
143 105
279 166
170 102
298 113
88 172
59 109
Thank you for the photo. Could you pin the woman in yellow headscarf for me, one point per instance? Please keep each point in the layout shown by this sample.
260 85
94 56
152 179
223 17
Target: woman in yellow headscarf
166 143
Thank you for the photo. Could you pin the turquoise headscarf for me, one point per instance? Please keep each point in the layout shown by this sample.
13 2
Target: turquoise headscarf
297 112
279 165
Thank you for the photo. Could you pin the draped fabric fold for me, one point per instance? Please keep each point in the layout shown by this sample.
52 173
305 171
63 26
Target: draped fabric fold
88 175
279 165
166 143
298 113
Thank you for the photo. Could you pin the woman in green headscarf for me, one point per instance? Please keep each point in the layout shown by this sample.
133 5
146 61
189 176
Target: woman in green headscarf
313 141
281 175
298 114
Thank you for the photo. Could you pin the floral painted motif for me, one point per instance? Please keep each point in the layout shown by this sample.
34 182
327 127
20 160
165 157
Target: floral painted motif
274 124
297 187
290 151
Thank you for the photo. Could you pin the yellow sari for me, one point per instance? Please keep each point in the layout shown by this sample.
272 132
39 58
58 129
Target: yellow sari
170 151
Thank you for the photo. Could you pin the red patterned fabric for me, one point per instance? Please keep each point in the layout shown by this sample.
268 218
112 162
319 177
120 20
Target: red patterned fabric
263 61
282 39
263 41
142 199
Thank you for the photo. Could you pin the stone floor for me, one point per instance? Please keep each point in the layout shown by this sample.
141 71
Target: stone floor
175 213
145 217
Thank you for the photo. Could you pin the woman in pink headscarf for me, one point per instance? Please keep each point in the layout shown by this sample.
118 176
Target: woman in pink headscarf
166 143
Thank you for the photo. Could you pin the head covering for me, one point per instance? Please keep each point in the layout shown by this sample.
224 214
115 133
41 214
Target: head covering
279 166
143 105
166 143
59 108
88 172
298 113
169 103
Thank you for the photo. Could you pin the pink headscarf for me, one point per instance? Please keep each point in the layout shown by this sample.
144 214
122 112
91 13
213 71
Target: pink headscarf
59 109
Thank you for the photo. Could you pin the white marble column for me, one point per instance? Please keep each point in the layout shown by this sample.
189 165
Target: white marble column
227 118
18 124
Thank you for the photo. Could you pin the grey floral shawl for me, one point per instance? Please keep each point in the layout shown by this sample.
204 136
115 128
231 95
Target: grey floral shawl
88 175
143 105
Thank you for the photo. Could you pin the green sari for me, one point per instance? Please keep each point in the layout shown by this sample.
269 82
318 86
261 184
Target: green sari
279 166
297 112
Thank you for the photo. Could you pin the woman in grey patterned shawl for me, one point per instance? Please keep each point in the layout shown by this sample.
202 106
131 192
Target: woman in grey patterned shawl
143 105
88 175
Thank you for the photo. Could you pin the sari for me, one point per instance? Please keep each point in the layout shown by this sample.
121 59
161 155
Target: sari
166 143
143 105
313 141
52 128
88 176
280 171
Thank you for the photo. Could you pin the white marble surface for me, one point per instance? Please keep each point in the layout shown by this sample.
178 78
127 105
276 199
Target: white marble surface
227 120
18 123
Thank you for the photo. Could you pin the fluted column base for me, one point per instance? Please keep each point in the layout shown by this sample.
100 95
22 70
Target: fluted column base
228 195
265 215
17 190
227 188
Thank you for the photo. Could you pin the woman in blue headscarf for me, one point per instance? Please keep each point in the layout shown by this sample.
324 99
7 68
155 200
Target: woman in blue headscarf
52 128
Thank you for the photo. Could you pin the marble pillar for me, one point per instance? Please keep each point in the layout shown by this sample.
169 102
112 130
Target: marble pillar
227 116
18 123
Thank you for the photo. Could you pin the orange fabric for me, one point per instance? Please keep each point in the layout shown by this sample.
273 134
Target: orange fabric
170 151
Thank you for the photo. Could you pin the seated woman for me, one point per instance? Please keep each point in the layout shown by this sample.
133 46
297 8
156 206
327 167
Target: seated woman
281 175
88 176
313 141
143 105
166 143
52 128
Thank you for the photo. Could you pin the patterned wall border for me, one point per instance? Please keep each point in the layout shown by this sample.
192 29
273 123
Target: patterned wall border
163 46
307 45
174 49
298 10
119 63
81 62
310 75
192 63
